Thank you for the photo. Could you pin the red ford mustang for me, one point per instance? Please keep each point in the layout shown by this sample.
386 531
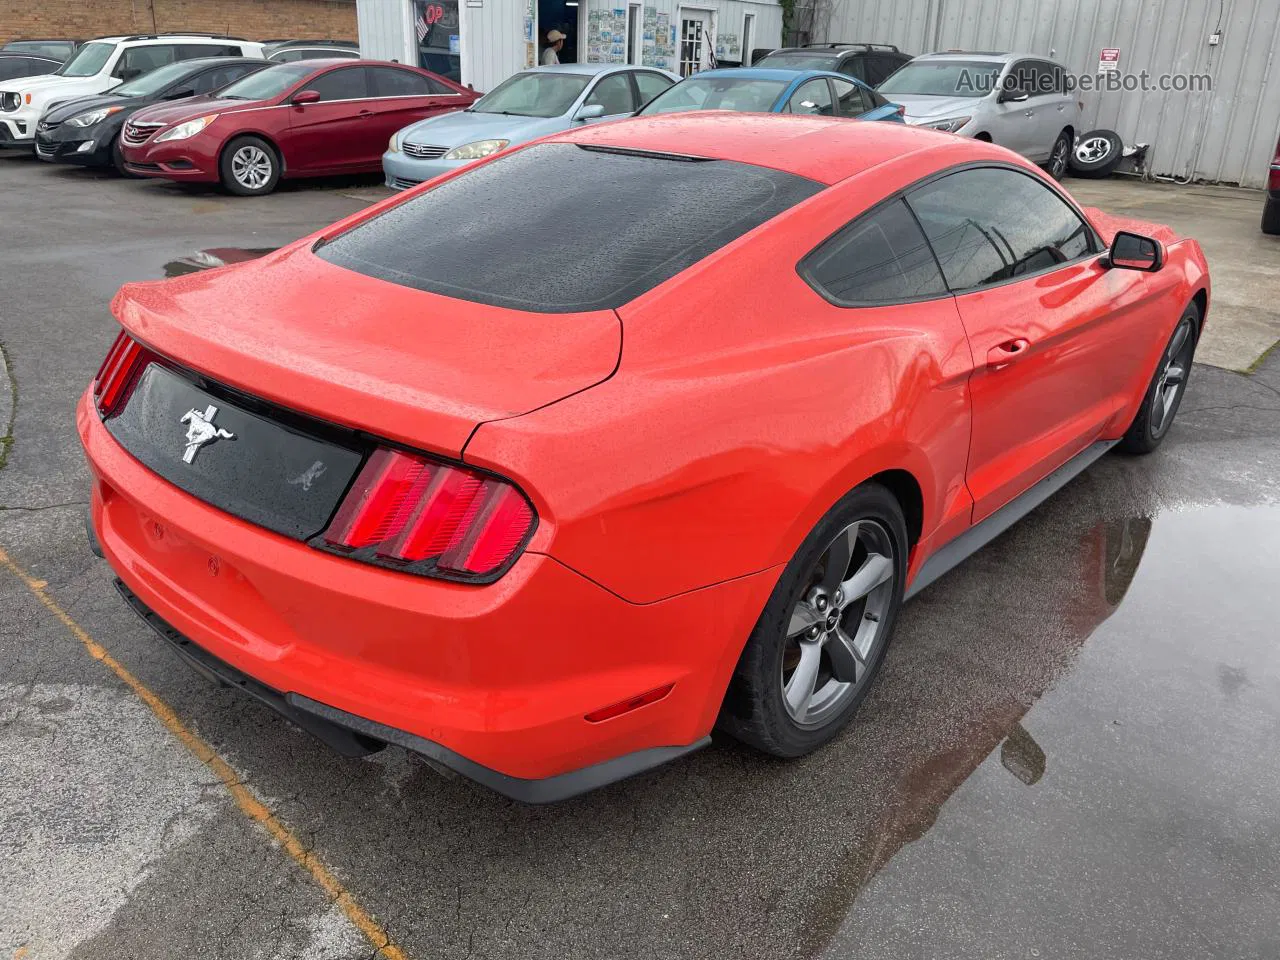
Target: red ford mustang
303 119
655 436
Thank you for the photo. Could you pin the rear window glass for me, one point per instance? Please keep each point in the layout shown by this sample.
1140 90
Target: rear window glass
559 228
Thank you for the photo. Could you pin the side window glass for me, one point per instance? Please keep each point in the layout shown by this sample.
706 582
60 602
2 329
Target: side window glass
814 98
650 84
345 84
882 257
614 94
390 82
288 56
853 99
992 225
139 60
855 67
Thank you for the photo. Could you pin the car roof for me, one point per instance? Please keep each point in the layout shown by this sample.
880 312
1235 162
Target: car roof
764 73
590 69
200 62
993 57
824 149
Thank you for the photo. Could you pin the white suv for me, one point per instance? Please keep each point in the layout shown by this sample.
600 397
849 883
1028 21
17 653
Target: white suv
100 65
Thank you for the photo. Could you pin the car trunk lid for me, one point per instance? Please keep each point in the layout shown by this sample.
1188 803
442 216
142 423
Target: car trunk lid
407 365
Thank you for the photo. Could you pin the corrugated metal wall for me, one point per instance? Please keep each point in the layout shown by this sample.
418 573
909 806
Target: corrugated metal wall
1224 135
493 43
386 31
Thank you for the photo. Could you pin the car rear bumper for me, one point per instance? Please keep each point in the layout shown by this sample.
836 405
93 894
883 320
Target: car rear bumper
494 682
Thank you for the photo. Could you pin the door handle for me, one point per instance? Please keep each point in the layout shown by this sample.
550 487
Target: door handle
365 114
1029 113
1007 352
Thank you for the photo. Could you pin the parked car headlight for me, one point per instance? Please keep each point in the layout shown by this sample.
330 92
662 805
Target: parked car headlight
10 101
393 146
188 129
950 125
476 150
93 117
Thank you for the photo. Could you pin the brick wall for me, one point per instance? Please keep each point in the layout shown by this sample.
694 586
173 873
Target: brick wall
252 19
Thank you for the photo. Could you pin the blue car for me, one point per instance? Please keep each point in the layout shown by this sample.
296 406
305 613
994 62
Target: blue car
763 90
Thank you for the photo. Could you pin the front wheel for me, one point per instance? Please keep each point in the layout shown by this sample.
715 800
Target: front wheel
249 167
117 160
1271 217
1164 394
822 637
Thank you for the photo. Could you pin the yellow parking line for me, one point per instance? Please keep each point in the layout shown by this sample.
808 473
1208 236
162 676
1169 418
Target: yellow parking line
252 807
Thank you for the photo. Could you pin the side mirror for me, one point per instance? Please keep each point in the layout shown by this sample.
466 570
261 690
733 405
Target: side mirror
305 96
1013 96
181 94
1132 251
590 112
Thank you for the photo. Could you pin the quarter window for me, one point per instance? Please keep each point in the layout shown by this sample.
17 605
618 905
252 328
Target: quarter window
990 225
813 98
853 99
348 83
882 257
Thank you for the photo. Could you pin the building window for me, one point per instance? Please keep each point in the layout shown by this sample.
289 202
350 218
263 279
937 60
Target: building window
435 24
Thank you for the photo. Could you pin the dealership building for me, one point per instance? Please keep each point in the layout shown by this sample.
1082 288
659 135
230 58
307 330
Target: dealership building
482 42
1224 131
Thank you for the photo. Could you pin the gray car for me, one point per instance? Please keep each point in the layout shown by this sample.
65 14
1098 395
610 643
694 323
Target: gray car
528 105
1018 101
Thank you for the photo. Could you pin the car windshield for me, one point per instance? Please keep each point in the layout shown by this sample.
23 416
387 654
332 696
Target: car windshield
944 78
745 95
534 94
152 82
799 60
88 60
268 83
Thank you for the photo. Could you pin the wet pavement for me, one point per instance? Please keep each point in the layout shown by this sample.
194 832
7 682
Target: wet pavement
1070 752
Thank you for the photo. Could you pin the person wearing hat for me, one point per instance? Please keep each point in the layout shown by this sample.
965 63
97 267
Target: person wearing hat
555 40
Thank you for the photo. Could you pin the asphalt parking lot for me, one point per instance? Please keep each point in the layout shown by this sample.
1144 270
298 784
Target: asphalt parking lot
1070 753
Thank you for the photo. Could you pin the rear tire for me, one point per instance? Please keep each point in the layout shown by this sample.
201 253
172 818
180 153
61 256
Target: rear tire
819 644
1271 217
249 167
1167 388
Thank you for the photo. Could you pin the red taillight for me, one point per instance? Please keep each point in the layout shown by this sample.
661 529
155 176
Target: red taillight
408 510
119 372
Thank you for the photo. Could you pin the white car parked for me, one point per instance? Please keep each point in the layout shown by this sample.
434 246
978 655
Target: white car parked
97 67
1018 101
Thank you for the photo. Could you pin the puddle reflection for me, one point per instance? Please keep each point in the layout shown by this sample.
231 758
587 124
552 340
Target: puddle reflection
213 257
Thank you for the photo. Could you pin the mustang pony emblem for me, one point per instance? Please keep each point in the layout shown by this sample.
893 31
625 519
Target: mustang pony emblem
201 430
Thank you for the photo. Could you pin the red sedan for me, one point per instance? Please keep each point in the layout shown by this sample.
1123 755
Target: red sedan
305 119
655 434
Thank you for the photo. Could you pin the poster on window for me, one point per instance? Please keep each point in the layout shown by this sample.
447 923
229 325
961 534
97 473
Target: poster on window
435 24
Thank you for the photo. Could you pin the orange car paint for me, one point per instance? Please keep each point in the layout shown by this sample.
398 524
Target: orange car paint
728 409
